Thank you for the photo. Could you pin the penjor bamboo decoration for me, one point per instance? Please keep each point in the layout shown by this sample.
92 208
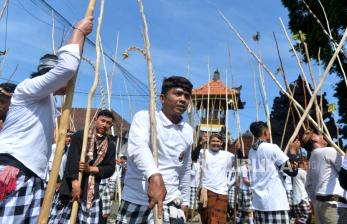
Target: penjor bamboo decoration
63 126
152 95
313 122
74 209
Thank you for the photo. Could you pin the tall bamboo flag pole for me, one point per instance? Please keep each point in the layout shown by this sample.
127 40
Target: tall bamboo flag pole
74 210
3 8
226 121
263 88
284 75
110 80
277 82
290 110
265 102
314 94
64 123
152 95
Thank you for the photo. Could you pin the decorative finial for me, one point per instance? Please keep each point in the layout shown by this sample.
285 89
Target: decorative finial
216 75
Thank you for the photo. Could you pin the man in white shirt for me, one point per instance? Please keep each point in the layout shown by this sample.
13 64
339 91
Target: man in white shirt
27 135
302 207
270 202
167 184
322 182
231 174
215 164
6 92
63 159
245 195
343 174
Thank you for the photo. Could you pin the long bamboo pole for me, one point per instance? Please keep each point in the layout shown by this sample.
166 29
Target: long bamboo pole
63 126
110 80
276 81
3 8
74 210
284 75
152 95
265 101
226 120
290 110
314 94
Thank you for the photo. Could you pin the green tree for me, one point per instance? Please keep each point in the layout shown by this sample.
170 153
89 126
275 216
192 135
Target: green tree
300 19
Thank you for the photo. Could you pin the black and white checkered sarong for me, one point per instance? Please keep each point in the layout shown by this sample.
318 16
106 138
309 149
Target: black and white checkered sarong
193 202
302 212
231 197
23 204
271 217
105 196
60 212
130 213
245 199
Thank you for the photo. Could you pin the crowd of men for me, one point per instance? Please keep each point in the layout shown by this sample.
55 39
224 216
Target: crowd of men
265 186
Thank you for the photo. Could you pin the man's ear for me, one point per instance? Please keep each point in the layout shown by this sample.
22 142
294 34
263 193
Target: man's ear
162 98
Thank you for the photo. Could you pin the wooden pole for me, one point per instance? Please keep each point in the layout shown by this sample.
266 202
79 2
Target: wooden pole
152 96
74 210
63 126
3 8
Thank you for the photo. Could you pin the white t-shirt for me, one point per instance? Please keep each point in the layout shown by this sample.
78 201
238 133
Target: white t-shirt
215 171
323 173
231 174
267 186
299 191
195 175
174 158
243 173
28 130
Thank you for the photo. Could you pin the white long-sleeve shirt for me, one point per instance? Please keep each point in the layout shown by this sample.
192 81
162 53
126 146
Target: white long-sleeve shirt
174 158
28 130
215 171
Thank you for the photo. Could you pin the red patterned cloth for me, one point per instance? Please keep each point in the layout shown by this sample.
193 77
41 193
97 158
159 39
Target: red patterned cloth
8 178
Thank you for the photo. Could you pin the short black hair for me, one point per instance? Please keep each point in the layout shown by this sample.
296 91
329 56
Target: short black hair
8 87
306 139
176 82
217 135
46 63
105 113
257 128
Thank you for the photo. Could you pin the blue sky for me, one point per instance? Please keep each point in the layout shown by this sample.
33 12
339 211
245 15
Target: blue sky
182 33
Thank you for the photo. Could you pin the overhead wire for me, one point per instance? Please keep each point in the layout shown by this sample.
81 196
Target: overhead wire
47 8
